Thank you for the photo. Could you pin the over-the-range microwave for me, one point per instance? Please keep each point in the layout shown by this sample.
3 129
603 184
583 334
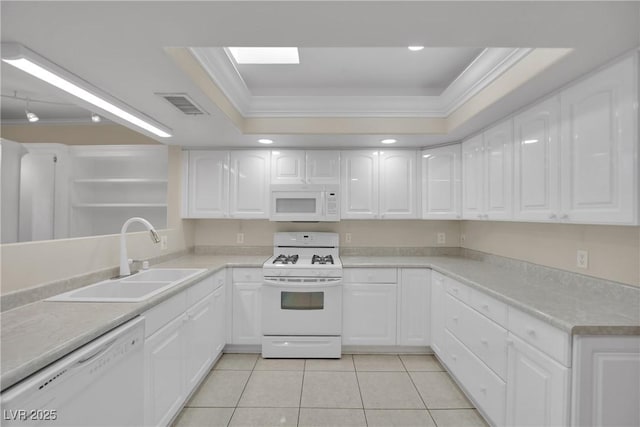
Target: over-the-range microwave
304 202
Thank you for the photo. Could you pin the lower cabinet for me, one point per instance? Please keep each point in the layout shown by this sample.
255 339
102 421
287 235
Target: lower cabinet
413 307
437 313
369 314
184 336
247 306
537 387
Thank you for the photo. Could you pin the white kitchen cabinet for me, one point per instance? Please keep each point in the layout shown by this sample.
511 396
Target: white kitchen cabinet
606 380
473 178
200 340
206 184
369 314
600 147
441 183
219 320
437 313
247 317
305 167
498 160
537 387
359 177
165 385
249 174
536 167
398 184
414 302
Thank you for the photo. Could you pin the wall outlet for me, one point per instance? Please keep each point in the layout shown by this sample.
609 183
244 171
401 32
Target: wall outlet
347 237
582 260
442 238
240 238
164 243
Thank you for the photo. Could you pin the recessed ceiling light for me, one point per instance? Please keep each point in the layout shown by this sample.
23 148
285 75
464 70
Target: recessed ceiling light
415 48
389 141
95 118
265 55
265 141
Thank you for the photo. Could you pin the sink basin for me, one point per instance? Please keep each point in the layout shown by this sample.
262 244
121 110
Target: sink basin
135 288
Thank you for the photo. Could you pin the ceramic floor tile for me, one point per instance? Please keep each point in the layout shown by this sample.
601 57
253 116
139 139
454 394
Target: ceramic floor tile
439 391
220 389
345 363
421 362
398 418
311 417
204 417
279 365
263 417
237 361
457 418
272 389
388 390
330 390
377 362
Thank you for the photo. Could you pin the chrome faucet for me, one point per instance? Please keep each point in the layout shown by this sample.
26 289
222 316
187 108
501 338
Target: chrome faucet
124 260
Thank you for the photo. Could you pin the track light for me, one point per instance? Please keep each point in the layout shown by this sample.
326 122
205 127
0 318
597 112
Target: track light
95 118
31 116
32 63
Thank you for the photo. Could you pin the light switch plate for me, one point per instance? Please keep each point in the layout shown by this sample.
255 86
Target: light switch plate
442 238
240 238
582 260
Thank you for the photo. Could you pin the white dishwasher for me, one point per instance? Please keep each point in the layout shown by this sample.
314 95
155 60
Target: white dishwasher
100 384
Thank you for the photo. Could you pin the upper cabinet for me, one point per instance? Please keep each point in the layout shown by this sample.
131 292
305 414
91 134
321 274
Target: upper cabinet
441 186
305 167
600 147
249 173
379 184
473 178
536 162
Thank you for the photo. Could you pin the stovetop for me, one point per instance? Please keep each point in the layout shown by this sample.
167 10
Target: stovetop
304 255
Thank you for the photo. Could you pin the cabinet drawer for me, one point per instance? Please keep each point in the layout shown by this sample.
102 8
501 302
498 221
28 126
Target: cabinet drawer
486 339
485 388
457 289
370 275
164 312
200 290
453 316
247 275
541 335
219 278
490 307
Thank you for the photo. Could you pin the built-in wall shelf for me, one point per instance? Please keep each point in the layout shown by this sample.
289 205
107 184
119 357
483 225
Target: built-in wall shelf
110 184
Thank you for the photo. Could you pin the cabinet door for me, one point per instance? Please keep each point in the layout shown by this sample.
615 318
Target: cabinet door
369 314
537 388
441 198
288 167
536 156
398 182
164 373
437 313
249 189
414 307
498 154
219 321
207 184
323 167
247 309
200 340
359 187
473 178
600 147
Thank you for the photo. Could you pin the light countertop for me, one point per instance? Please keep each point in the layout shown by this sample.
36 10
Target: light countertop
35 335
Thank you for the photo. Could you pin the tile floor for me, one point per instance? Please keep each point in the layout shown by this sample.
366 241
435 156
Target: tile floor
357 390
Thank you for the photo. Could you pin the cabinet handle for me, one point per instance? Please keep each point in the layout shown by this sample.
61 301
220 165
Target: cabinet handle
455 290
454 357
480 216
553 216
485 342
483 390
509 342
455 319
485 307
531 332
564 216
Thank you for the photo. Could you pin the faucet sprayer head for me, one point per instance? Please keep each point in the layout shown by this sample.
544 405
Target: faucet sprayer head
154 236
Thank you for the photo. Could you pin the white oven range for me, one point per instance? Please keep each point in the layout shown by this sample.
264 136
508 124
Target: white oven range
302 297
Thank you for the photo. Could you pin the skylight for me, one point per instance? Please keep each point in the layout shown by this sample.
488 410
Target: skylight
265 55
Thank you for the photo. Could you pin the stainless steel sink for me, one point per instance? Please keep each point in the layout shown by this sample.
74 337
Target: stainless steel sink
135 288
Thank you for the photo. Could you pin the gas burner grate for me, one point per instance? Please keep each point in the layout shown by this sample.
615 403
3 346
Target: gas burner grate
286 259
317 259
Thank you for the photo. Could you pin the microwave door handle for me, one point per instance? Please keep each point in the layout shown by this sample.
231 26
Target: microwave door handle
322 202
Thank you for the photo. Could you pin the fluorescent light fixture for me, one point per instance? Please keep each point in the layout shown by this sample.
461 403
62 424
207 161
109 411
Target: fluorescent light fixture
389 141
529 141
415 48
265 141
32 117
95 118
32 63
265 55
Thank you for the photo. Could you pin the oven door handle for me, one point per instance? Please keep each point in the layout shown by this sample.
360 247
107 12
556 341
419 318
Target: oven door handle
315 283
